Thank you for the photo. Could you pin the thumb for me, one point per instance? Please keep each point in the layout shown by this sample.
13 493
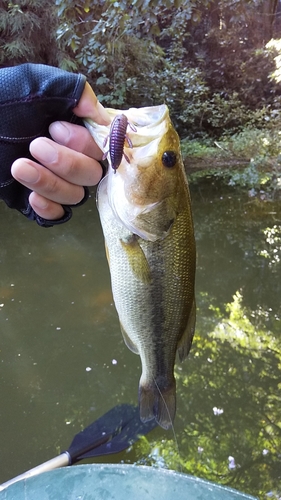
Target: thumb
90 107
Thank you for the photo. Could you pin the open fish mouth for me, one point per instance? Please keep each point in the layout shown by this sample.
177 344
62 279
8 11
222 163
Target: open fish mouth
150 122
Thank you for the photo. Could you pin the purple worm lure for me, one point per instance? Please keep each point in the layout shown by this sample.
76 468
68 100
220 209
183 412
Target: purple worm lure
117 136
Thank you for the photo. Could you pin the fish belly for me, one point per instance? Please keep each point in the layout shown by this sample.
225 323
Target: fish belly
153 290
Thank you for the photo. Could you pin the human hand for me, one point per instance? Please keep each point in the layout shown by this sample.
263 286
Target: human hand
65 166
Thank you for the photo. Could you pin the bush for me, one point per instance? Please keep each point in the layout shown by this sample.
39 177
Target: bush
28 32
253 143
206 62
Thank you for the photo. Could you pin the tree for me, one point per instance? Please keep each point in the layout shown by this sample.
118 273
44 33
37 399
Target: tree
28 32
205 58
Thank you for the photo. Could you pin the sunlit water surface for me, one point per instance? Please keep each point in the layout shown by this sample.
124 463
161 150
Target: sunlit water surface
63 362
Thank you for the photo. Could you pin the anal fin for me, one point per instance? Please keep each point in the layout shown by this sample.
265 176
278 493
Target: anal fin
128 341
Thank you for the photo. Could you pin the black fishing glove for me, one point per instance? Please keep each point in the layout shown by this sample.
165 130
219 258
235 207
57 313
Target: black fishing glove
32 96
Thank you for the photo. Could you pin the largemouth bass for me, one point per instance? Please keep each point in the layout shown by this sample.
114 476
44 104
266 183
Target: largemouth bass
145 212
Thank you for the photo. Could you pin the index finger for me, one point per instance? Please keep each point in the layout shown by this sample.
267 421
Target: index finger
90 107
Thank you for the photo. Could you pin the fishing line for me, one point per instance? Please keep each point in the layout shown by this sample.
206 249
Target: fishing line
173 428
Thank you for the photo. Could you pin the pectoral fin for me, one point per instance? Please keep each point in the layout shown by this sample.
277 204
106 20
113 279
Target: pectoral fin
185 342
136 258
128 341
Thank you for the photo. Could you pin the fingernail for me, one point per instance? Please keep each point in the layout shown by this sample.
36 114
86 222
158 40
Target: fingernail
60 132
43 150
28 174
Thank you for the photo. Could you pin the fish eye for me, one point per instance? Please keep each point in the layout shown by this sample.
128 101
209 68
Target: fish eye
169 159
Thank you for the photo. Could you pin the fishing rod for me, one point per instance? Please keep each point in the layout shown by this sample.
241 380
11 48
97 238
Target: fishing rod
115 431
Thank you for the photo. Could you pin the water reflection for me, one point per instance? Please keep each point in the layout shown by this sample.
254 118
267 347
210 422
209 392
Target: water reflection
63 362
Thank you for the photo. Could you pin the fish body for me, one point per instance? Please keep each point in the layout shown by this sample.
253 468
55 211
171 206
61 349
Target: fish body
146 218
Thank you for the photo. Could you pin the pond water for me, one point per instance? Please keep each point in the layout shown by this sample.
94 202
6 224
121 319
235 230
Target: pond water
63 362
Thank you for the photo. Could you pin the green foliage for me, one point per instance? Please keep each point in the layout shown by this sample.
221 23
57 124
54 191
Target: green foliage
273 250
251 143
263 149
250 159
213 114
199 149
146 53
209 60
274 48
27 32
111 45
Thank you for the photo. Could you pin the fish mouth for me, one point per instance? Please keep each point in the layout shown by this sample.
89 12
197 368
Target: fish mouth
123 184
151 123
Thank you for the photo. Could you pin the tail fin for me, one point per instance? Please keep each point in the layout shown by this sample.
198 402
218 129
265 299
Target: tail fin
158 401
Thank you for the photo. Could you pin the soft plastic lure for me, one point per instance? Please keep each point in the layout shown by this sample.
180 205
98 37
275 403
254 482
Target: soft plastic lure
117 137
